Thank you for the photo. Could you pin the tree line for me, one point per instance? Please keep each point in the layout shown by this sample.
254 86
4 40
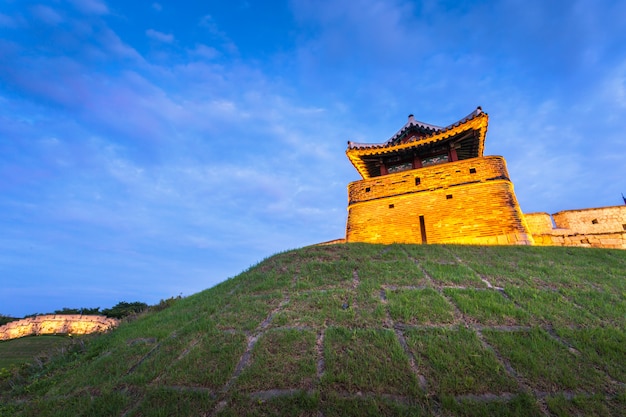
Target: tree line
118 311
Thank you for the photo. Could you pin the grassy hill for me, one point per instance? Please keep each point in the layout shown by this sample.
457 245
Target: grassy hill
353 330
18 351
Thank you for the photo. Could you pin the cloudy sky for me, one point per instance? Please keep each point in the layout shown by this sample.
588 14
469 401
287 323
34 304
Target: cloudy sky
150 149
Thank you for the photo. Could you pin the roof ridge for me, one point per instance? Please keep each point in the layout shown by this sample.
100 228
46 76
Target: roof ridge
412 122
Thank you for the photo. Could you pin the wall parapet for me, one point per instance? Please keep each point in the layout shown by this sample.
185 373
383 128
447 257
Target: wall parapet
57 324
435 177
603 227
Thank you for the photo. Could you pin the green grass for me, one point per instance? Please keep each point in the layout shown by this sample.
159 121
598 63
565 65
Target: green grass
549 307
452 273
17 351
316 308
519 406
369 361
580 405
424 306
544 363
603 347
609 308
281 359
355 330
402 272
296 404
455 363
208 362
165 402
336 406
487 307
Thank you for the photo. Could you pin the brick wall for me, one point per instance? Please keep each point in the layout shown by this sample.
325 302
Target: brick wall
603 227
469 201
594 220
57 324
539 223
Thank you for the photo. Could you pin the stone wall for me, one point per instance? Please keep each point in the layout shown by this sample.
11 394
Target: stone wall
593 220
57 324
469 201
539 223
603 227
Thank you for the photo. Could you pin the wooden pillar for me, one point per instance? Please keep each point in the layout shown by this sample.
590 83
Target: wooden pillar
417 162
383 169
452 154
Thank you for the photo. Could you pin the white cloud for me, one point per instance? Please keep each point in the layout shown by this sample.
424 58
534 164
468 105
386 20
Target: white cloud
615 86
46 14
111 42
95 7
160 36
7 21
208 22
360 32
204 51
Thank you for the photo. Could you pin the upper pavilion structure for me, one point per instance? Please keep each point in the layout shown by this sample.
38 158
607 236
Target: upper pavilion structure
419 144
432 184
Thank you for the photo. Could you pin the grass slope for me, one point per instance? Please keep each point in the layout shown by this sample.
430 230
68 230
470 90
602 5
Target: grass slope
360 330
18 351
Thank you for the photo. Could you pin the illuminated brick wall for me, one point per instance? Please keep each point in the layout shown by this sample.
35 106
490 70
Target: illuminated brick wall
539 223
57 324
594 220
469 201
603 227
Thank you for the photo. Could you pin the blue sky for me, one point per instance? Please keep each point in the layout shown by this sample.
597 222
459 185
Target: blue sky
150 149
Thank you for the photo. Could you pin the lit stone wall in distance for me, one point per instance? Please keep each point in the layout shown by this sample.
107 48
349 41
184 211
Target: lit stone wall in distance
603 227
57 324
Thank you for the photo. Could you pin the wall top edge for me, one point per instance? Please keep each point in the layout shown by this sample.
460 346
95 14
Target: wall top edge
590 209
447 165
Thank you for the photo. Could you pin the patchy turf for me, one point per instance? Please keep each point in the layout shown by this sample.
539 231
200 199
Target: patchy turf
357 330
18 351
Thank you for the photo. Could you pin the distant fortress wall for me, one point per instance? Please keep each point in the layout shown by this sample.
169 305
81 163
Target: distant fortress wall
603 227
57 324
470 201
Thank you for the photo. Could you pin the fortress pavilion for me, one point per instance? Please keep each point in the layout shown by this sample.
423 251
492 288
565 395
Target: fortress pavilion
432 184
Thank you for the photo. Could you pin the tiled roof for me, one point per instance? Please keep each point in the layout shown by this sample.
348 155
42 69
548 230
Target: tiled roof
468 135
412 124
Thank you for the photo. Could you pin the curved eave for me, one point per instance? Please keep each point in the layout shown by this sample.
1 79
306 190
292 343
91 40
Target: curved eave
478 124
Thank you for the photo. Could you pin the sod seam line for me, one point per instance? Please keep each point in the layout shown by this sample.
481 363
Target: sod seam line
412 363
252 339
550 331
319 350
457 314
504 362
402 340
525 387
462 262
356 281
147 355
